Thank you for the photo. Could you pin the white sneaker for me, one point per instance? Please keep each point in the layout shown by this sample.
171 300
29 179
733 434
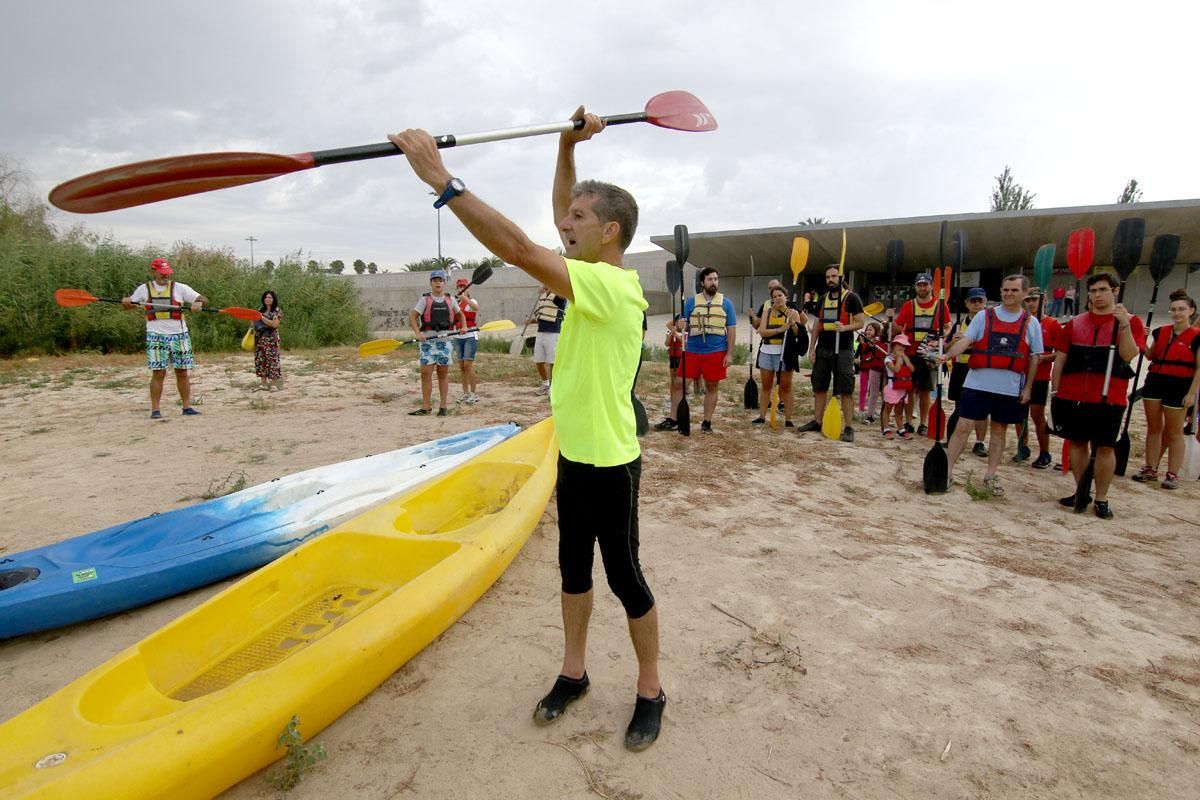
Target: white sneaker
471 398
544 389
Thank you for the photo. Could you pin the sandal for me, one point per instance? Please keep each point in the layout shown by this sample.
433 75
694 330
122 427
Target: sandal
421 412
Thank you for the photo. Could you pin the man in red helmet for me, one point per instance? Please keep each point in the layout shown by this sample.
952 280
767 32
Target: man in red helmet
168 343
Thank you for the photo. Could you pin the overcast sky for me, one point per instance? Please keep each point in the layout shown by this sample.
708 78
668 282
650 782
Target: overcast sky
850 110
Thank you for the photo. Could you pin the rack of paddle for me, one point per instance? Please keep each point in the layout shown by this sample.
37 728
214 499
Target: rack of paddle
71 298
377 347
178 176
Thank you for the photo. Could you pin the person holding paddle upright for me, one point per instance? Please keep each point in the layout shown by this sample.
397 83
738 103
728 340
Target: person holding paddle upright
916 320
1090 385
959 369
842 314
168 343
712 329
776 324
1170 389
435 313
599 465
1035 304
1005 342
466 343
548 314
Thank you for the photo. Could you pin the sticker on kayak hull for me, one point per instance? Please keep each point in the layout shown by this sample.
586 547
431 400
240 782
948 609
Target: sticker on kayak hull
82 575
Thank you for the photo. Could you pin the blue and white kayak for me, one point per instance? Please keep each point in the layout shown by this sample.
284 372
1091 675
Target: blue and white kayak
139 562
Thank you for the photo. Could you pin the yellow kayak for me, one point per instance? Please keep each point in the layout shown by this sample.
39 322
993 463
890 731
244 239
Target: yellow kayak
199 705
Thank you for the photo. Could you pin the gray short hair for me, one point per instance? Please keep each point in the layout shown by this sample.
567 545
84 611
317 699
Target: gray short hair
612 204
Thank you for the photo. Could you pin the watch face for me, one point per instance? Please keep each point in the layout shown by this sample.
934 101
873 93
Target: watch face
457 185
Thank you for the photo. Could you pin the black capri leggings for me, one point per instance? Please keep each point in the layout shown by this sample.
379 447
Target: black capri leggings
601 504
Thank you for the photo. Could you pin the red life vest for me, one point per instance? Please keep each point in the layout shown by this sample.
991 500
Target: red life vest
675 348
1174 354
1088 337
1050 329
471 314
157 298
437 316
1003 345
872 358
902 379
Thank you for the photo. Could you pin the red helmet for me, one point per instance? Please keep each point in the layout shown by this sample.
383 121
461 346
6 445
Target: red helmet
162 266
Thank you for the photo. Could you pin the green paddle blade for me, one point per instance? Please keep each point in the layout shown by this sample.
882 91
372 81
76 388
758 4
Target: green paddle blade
1043 266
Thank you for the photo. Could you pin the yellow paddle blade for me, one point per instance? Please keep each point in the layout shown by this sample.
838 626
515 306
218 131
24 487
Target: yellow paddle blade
497 325
873 310
774 405
378 347
842 262
831 422
799 258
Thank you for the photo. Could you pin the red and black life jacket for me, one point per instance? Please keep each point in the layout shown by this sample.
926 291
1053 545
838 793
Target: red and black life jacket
1087 360
1003 345
161 300
871 357
471 315
437 316
901 379
1173 353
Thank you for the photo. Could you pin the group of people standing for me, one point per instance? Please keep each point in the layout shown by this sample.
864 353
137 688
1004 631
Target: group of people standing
1001 366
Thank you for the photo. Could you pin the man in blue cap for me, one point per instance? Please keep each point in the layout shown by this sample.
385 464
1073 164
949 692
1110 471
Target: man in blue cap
976 302
433 319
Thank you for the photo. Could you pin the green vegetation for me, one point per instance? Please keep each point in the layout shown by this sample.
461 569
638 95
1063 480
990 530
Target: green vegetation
219 487
35 260
301 758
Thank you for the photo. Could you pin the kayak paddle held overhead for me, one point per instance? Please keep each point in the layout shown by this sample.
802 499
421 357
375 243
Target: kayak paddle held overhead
71 298
178 176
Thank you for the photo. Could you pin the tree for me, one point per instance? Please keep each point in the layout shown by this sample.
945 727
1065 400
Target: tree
429 264
1008 194
372 268
337 265
359 266
314 265
1131 193
269 266
813 221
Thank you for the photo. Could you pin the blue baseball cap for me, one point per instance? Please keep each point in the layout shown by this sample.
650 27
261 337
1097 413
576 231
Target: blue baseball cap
924 277
437 273
976 293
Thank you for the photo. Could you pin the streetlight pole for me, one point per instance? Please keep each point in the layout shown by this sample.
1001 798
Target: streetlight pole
251 240
439 228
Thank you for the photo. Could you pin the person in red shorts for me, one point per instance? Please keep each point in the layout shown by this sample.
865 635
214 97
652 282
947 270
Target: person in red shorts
712 328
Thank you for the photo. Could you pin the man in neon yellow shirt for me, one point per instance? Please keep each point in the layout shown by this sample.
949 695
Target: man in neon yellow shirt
599 467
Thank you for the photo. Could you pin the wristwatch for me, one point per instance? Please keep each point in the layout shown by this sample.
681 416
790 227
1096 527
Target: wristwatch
454 187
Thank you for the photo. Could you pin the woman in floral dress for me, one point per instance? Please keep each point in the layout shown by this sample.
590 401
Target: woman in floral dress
266 343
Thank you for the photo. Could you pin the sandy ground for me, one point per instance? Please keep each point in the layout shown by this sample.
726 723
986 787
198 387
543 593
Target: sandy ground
827 629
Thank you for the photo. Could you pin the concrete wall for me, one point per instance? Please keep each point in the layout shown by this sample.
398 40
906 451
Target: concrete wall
508 294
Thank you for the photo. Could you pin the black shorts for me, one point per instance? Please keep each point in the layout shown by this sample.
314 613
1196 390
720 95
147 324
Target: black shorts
976 405
1039 393
1167 389
958 376
601 504
823 372
922 375
1097 423
674 361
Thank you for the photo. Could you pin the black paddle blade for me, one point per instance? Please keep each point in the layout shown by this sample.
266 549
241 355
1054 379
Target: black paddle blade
750 395
1122 452
481 274
952 423
936 472
1127 246
1084 489
942 245
684 414
894 259
681 244
674 277
958 250
641 421
1162 256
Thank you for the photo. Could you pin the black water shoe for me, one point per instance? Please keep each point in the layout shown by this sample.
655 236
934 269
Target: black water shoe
647 721
566 691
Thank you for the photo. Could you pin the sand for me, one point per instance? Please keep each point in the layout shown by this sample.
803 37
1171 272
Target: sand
827 629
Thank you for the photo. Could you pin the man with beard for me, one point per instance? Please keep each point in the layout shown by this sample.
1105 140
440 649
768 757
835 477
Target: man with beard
712 329
841 314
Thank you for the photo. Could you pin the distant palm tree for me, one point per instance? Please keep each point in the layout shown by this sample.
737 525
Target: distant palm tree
814 221
1131 193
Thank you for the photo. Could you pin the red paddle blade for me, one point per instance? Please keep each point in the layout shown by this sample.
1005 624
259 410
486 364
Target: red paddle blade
1081 248
679 111
69 298
164 178
248 314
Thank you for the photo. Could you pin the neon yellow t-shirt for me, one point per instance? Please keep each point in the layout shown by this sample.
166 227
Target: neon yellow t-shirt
598 354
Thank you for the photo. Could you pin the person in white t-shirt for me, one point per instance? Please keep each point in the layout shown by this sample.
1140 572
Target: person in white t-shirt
168 343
